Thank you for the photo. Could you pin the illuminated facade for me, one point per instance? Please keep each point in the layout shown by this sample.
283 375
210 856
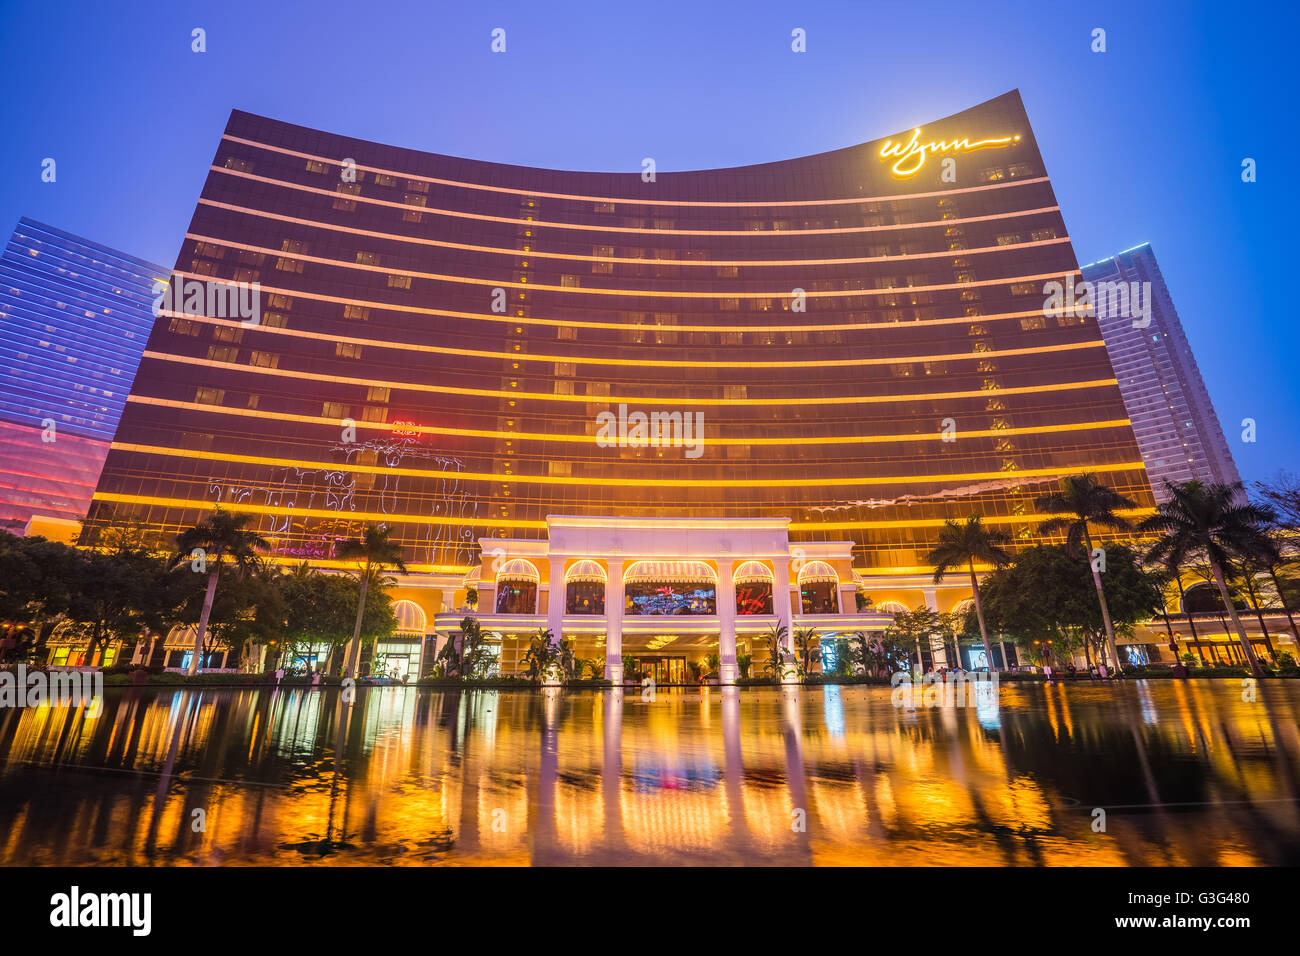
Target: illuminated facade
75 316
851 344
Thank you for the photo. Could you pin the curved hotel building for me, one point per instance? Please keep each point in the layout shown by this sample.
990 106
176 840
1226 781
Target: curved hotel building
654 411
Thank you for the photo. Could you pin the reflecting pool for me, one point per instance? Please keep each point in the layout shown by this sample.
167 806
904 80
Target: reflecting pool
1186 772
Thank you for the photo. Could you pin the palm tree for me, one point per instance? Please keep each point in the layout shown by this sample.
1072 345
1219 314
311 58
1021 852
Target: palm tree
807 649
965 544
776 642
1080 502
1217 522
379 553
219 536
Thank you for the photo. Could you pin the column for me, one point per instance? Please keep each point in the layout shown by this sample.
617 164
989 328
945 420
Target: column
781 601
555 596
614 622
932 603
448 599
726 594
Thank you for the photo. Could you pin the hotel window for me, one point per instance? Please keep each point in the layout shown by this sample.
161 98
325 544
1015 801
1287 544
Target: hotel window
240 165
993 174
563 388
564 468
606 207
227 333
223 353
277 301
356 312
903 370
378 393
248 275
367 259
735 391
285 264
274 320
250 258
383 180
570 282
728 272
566 369
399 282
374 413
1033 322
347 350
417 186
728 304
334 410
202 268
1023 288
183 327
347 189
211 250
209 396
1039 235
1009 239
315 166
1020 170
567 332
264 359
732 338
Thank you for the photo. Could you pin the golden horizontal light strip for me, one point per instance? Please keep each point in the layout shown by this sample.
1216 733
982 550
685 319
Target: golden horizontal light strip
636 293
525 320
411 566
642 363
617 482
635 362
282 510
624 260
939 522
334 161
638 230
706 402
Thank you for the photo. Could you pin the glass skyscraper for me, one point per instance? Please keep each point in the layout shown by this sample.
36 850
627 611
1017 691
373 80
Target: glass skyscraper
75 318
1173 418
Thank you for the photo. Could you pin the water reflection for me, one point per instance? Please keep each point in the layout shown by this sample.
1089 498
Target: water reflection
1188 772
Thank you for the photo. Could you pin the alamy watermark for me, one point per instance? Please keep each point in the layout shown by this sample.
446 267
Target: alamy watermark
1105 300
72 688
218 299
950 689
656 429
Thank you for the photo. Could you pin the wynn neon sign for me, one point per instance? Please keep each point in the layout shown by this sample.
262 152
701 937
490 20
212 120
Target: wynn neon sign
913 151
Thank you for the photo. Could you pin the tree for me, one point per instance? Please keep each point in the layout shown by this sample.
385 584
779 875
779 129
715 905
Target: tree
1045 600
807 649
1080 503
1213 521
222 535
965 544
378 553
778 655
543 654
118 595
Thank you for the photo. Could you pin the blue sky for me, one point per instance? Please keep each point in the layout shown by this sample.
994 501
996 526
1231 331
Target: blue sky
1143 142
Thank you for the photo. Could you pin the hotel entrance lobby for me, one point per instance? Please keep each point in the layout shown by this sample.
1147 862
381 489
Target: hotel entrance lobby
667 598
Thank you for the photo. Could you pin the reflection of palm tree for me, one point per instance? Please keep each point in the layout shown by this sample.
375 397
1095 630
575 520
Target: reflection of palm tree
1081 502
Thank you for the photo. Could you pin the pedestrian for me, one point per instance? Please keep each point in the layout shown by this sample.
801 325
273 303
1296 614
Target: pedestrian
279 676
